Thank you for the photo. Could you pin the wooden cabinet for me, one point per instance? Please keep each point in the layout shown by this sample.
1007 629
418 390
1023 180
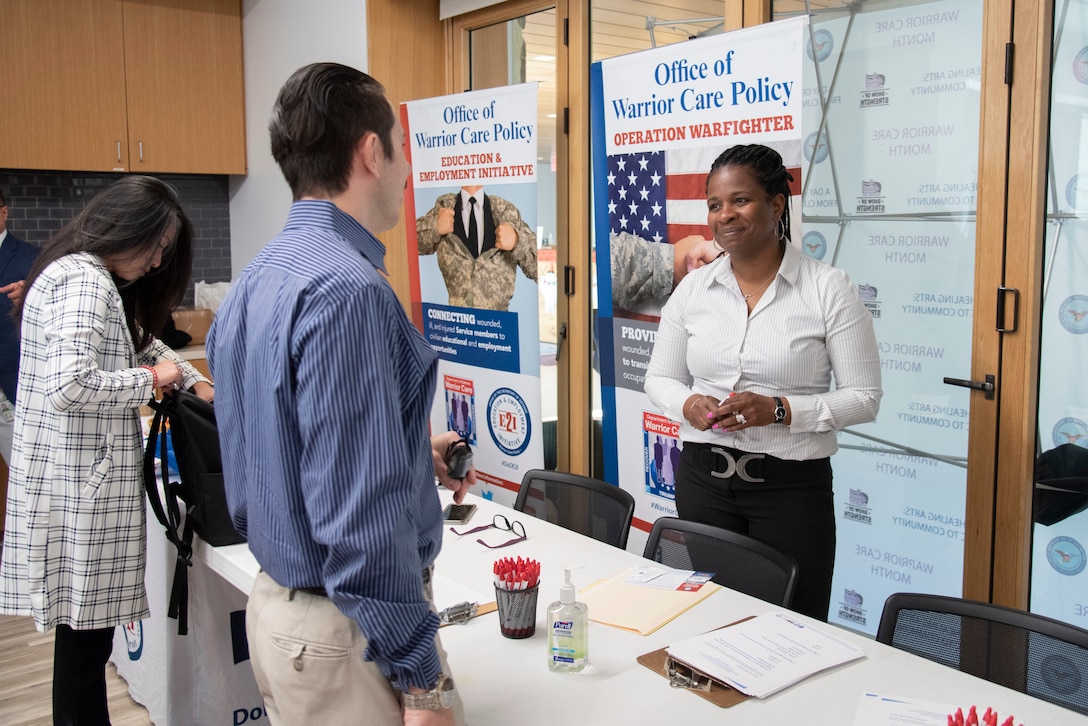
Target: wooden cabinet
123 85
183 71
64 78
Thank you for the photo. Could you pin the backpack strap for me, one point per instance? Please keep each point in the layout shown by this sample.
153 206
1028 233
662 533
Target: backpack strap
168 513
179 591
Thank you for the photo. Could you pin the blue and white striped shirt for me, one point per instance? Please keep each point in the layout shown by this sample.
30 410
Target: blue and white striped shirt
323 388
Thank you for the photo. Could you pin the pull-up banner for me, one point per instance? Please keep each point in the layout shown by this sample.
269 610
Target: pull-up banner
660 118
473 272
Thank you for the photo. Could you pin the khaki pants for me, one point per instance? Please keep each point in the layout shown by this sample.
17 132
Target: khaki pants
307 657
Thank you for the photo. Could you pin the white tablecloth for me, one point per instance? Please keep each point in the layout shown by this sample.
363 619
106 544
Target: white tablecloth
504 681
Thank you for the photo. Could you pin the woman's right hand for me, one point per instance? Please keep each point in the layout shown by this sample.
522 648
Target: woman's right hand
700 411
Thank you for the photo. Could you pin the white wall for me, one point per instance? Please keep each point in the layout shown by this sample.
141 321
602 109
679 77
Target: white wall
450 8
280 36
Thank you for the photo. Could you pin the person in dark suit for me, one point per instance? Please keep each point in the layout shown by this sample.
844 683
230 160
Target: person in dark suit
16 257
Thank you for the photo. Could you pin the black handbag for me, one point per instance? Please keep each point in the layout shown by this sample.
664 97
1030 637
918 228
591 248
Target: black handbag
195 437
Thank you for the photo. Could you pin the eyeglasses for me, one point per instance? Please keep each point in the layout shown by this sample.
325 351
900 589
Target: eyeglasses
498 522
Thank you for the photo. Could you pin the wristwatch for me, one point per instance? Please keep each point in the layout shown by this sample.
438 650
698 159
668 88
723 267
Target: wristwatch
779 410
439 697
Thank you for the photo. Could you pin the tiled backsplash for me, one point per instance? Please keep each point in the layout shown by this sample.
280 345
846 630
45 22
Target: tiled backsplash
41 202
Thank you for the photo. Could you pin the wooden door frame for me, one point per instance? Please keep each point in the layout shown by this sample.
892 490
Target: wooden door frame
1024 245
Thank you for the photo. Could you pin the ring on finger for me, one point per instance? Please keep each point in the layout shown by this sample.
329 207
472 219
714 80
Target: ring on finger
740 418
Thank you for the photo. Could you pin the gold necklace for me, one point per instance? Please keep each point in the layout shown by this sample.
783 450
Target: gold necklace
753 292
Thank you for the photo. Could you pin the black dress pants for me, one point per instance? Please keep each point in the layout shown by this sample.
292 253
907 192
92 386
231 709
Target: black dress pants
79 676
792 510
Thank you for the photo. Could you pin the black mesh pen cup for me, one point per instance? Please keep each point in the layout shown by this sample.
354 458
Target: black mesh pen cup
517 611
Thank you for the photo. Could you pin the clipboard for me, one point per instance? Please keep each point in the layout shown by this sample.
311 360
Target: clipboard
463 612
680 675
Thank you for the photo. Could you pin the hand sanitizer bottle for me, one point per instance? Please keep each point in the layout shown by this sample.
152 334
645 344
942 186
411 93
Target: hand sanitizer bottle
568 631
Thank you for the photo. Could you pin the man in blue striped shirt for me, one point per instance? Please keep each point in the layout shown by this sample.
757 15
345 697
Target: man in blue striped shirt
323 391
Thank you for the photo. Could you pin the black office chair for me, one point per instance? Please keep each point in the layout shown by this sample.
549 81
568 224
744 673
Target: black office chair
737 561
1030 653
591 507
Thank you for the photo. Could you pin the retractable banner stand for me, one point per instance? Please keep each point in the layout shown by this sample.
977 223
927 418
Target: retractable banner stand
660 118
473 270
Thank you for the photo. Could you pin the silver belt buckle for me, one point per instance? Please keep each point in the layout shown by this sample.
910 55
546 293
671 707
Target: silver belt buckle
738 467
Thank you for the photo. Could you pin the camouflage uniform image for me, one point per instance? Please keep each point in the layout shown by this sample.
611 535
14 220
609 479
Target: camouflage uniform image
647 272
641 270
478 279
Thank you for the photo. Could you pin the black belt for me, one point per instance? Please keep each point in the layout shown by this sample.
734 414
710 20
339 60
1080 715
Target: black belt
725 462
322 592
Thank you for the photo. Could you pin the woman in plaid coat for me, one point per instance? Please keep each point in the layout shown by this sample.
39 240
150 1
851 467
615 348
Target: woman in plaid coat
75 546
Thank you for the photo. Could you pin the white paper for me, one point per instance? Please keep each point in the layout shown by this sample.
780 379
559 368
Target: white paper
448 593
765 654
878 710
666 578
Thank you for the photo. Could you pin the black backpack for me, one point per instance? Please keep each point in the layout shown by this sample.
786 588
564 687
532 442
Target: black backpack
195 437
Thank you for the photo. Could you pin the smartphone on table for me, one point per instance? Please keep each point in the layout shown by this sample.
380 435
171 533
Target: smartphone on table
458 513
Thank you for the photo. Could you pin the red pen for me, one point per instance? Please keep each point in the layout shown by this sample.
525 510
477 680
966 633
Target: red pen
1007 722
972 717
959 717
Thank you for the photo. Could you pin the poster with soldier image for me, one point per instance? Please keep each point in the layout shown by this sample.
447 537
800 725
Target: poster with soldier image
471 216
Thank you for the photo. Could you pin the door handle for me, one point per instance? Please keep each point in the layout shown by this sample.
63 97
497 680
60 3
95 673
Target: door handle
560 338
986 386
1002 292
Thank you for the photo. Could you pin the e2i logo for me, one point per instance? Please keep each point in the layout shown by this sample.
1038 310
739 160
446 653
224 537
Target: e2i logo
508 421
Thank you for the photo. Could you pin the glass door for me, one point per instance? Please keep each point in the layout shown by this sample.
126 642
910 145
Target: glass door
1059 579
890 190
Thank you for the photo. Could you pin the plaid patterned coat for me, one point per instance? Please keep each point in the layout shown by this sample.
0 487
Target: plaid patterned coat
75 545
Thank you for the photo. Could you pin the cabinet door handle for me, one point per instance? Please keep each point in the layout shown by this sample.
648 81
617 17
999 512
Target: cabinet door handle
141 145
118 152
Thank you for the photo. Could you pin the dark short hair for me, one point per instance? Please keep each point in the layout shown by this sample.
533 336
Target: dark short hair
320 115
766 165
3 202
128 219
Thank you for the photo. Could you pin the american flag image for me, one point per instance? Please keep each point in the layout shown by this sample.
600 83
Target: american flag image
661 195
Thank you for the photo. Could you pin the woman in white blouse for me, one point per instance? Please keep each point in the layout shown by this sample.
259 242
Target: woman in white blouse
75 546
745 356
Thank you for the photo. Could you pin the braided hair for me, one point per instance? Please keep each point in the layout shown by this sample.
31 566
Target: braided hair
766 165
